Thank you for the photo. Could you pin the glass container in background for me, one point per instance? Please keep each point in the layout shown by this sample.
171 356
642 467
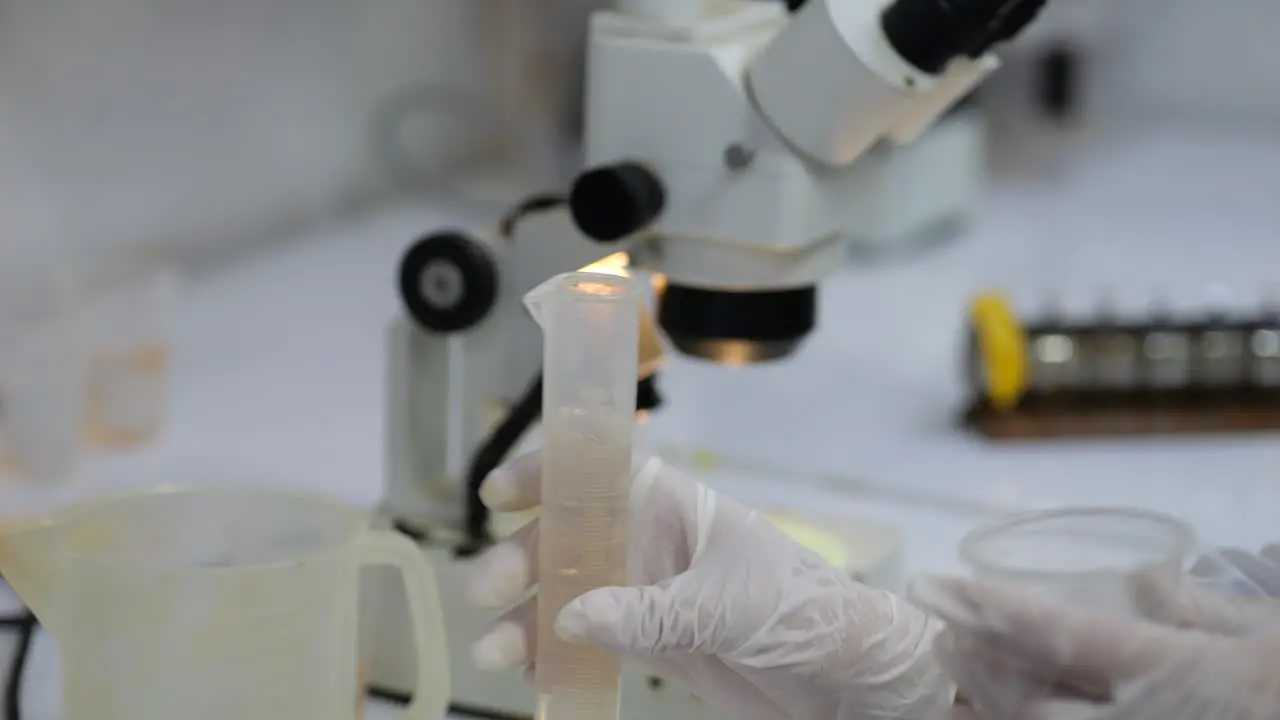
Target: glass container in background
510 128
132 297
1086 557
43 368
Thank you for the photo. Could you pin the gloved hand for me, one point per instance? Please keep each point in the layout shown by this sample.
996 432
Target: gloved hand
1215 595
1015 655
723 601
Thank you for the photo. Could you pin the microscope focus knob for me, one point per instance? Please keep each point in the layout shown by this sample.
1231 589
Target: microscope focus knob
448 281
611 202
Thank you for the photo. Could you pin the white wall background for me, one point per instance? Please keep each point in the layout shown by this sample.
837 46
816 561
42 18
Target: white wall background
1209 63
198 124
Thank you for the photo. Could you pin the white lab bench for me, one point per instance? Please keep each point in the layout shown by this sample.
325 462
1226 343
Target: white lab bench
279 365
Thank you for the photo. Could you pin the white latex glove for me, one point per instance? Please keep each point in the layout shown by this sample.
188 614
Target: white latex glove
1235 575
723 601
1018 656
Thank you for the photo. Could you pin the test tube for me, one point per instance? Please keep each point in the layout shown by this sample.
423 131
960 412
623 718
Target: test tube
590 324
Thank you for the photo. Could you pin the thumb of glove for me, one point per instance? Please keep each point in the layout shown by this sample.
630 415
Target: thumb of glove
625 620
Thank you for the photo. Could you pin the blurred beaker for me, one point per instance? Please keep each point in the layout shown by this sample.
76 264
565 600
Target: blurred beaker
1084 556
131 294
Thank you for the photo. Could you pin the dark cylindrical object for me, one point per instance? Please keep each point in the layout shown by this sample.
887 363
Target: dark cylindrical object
448 281
930 33
1058 87
736 327
611 202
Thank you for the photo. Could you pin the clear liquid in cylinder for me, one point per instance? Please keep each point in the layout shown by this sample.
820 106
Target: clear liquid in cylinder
583 546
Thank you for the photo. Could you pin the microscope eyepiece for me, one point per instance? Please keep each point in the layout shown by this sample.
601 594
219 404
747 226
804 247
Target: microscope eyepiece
611 202
737 327
930 33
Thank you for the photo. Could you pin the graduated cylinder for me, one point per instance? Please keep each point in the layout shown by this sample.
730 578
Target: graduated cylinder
590 324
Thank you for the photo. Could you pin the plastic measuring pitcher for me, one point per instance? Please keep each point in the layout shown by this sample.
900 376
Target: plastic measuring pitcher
216 603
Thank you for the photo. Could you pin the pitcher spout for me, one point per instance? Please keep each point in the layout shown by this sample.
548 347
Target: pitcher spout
28 564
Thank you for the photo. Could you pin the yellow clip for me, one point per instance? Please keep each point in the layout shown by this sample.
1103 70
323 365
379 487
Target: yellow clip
1003 346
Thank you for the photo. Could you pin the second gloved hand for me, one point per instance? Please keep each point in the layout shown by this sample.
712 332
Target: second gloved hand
724 602
1019 656
1221 594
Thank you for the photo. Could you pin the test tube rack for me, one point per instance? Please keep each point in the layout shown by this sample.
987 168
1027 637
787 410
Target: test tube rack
1052 377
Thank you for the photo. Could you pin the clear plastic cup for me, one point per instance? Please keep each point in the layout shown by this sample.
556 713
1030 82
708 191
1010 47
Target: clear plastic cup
1085 556
132 295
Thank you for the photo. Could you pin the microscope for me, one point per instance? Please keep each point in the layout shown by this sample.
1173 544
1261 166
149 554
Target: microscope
730 147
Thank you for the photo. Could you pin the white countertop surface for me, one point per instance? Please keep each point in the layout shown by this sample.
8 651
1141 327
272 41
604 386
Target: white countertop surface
279 365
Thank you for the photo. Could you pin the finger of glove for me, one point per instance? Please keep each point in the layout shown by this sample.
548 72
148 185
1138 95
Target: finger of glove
512 640
501 576
962 712
730 691
981 680
515 485
993 683
631 620
1001 680
1249 574
1271 553
1072 645
1215 685
1215 598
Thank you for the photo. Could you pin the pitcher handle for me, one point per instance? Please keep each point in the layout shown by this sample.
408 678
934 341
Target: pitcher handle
431 695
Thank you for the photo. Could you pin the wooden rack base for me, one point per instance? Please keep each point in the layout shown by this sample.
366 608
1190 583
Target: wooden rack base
1083 419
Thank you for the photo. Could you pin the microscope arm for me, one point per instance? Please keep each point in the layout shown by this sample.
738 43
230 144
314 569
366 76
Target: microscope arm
464 353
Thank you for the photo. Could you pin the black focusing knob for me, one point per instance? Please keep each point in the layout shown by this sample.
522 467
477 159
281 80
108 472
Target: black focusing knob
448 282
611 202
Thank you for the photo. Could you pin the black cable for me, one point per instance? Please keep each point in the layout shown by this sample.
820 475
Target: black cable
499 444
396 697
531 204
26 626
647 395
489 455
